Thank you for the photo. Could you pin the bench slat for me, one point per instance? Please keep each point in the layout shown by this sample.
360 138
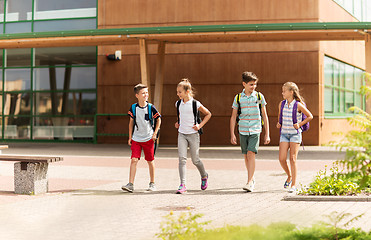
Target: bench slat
30 158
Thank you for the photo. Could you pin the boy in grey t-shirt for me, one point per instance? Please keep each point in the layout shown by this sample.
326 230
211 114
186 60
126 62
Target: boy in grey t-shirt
144 125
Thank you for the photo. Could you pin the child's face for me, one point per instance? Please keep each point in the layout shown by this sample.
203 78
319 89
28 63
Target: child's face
250 86
142 95
182 93
286 93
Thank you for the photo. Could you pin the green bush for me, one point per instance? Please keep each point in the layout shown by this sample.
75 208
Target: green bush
334 228
337 183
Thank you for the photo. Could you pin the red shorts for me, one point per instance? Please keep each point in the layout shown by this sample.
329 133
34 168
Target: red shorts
148 149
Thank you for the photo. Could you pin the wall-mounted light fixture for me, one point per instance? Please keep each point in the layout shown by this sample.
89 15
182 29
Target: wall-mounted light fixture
114 57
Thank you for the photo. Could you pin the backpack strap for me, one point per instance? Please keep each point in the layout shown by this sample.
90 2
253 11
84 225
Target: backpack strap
238 98
195 110
150 115
281 113
177 109
260 106
133 110
295 114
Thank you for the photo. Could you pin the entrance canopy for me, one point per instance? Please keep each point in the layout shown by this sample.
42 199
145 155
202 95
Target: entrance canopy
310 31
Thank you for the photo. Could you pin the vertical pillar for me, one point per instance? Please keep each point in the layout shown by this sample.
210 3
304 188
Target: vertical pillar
144 65
159 84
368 66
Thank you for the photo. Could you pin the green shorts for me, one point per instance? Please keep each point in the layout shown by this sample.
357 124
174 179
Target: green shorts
249 143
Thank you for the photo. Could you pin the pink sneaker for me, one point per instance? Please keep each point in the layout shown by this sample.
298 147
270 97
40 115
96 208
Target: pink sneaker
182 189
204 182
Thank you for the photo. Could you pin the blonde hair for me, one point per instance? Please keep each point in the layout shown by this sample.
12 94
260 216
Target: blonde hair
186 85
291 86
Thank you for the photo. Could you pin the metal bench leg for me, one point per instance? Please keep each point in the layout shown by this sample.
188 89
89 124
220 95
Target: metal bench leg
30 178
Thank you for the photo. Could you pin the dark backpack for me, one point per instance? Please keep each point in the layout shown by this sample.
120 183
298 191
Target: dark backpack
150 119
238 97
196 113
305 127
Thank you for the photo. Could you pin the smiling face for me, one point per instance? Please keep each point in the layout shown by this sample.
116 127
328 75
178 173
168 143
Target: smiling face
249 87
286 93
182 93
142 95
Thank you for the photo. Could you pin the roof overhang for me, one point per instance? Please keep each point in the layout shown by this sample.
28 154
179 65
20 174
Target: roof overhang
313 31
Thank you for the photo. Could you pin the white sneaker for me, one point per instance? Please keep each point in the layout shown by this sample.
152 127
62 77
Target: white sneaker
249 187
152 187
293 189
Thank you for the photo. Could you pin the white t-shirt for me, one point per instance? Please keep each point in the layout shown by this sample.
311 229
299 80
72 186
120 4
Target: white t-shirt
143 130
186 117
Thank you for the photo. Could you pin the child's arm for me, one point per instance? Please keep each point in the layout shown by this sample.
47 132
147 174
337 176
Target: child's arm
158 124
232 125
278 116
131 125
303 109
206 118
266 126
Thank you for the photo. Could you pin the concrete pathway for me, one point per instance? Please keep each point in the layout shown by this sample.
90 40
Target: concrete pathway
85 200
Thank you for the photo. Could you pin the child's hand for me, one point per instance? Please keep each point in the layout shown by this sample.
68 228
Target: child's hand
176 125
267 140
154 137
196 127
129 142
296 126
278 125
234 140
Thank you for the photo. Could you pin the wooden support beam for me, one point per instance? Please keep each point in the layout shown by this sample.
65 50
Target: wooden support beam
159 84
368 66
144 65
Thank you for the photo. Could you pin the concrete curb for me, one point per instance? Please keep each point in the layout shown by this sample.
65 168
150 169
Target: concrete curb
328 198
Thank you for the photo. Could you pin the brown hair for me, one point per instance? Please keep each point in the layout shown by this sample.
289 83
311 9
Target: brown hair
291 86
139 87
249 76
186 85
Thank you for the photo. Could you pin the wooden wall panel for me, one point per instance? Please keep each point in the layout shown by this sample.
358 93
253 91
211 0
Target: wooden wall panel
216 78
134 13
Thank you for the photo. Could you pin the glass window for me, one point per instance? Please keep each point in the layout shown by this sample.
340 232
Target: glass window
18 10
328 62
17 79
52 9
17 104
359 101
348 5
336 100
358 9
368 11
1 10
329 100
18 57
65 56
1 82
65 78
349 77
17 127
60 25
18 27
349 100
342 102
342 75
57 103
358 77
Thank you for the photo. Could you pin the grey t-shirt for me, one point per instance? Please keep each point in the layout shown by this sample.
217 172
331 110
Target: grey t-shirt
143 130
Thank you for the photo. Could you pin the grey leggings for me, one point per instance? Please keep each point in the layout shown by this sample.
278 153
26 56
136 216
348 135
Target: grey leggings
193 141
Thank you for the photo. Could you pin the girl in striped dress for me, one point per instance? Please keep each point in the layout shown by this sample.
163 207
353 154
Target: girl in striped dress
290 137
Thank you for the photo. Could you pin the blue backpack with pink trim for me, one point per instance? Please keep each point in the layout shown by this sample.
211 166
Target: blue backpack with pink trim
305 127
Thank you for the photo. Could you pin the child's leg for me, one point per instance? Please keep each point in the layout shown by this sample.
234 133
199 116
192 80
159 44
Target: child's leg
250 165
294 149
151 167
194 147
284 147
133 169
182 152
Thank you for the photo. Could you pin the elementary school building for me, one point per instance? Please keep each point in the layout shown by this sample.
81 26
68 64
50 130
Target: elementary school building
57 83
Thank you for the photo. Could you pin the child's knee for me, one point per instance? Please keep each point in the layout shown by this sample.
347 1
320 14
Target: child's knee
134 160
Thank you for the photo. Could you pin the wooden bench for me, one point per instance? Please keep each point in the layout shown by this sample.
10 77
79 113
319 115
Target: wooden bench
30 173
